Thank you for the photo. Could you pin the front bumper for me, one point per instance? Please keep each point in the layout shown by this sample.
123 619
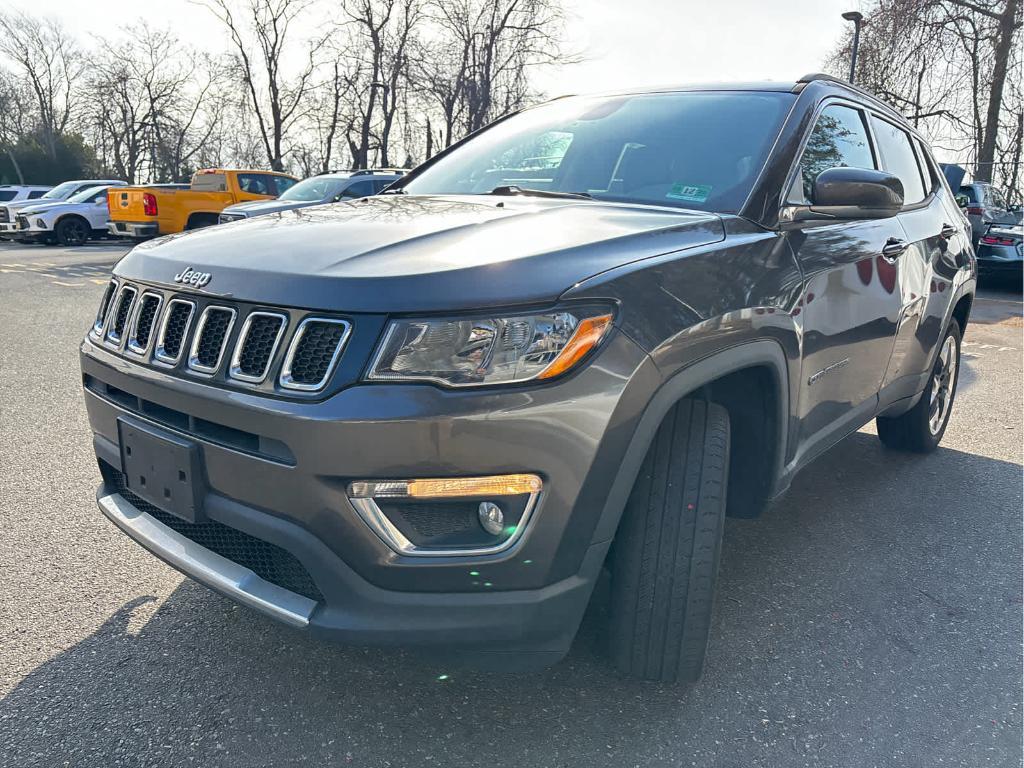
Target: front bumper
133 228
527 600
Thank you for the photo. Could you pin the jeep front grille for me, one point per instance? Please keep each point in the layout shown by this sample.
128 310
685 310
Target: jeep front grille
142 327
313 353
121 313
285 352
211 336
101 313
177 318
257 343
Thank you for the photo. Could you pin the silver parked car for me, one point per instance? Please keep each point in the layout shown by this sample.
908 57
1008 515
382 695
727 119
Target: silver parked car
316 190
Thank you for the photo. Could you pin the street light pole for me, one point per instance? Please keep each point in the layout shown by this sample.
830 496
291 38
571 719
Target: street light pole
856 17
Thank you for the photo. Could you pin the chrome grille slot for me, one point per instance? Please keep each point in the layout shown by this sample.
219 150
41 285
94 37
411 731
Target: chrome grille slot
173 330
5 215
141 332
210 338
121 313
101 313
313 353
257 344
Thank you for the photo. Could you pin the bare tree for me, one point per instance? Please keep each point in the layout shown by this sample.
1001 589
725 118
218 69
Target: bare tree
51 64
945 64
276 100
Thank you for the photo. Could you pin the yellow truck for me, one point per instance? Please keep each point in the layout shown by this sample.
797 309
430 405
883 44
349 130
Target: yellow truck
148 211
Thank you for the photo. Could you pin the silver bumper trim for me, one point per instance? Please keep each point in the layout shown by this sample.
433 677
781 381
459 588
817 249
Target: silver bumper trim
203 565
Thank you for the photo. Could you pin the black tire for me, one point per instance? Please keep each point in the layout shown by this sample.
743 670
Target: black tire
915 430
72 231
667 549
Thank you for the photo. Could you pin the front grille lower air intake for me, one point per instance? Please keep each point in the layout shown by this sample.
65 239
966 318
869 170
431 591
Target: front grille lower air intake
210 339
313 353
257 343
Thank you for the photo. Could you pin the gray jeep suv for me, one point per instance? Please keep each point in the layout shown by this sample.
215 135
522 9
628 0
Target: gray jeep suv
575 341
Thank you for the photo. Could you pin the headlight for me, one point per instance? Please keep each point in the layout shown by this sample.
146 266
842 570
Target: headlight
466 352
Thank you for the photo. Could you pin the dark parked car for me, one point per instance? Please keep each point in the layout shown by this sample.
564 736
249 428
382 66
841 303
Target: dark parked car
574 341
1001 253
985 205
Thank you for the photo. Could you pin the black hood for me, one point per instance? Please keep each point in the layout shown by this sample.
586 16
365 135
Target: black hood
419 254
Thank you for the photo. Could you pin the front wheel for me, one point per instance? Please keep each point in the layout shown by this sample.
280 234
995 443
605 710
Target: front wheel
921 428
665 562
71 232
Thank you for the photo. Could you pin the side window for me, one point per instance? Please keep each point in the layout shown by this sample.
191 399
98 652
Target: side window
898 159
839 139
35 194
380 184
254 183
283 184
358 189
932 174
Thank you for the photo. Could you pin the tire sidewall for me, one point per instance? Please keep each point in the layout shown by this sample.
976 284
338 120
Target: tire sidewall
954 331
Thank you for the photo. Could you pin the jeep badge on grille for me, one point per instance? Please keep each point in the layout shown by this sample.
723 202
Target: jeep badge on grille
189 276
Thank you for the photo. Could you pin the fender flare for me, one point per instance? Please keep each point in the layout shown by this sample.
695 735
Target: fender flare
760 353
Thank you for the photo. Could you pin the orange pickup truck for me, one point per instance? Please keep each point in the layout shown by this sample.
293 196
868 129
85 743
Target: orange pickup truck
141 212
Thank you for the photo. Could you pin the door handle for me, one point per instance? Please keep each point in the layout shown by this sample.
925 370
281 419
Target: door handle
893 249
947 231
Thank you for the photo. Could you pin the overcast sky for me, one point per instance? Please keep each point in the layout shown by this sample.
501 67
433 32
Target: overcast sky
625 42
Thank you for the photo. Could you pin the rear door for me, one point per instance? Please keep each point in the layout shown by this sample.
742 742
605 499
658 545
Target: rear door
851 304
924 271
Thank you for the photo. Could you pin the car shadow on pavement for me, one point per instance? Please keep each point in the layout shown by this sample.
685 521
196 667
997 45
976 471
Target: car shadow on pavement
876 604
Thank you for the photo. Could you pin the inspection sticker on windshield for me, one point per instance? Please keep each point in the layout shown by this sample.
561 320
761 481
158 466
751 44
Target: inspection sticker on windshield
692 193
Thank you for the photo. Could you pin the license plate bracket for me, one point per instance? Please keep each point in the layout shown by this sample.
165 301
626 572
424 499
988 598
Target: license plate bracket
162 468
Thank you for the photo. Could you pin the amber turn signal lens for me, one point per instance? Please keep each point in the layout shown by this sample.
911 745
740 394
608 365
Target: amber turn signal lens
588 333
496 485
447 487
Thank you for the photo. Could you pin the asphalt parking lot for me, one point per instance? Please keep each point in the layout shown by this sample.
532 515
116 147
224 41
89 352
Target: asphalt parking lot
871 618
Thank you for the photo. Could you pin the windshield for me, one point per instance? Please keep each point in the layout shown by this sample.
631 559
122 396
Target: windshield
61 191
314 190
85 195
698 150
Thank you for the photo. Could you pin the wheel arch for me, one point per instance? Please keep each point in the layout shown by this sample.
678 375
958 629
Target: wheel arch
196 216
762 358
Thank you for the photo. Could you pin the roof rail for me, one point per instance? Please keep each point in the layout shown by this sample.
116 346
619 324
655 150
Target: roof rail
816 76
370 171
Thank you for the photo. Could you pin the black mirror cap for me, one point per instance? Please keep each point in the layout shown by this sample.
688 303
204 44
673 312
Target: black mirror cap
858 188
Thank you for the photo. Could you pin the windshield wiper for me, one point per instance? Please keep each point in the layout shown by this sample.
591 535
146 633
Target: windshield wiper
512 189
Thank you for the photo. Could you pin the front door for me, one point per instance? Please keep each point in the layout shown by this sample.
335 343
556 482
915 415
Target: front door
851 302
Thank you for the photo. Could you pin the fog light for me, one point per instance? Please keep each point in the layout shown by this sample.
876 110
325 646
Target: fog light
491 518
448 517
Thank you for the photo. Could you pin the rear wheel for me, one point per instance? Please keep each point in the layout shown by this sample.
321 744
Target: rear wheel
667 549
921 428
72 231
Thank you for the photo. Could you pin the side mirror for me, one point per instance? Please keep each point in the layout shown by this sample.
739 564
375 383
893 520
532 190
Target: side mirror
853 193
963 201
